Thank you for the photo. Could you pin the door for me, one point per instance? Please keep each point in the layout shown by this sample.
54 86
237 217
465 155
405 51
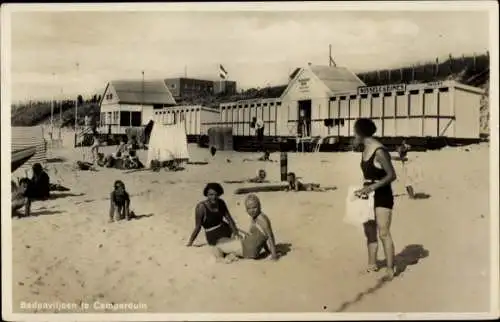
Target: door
304 119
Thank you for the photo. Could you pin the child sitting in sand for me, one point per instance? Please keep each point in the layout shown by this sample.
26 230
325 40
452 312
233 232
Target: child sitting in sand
295 185
119 207
260 236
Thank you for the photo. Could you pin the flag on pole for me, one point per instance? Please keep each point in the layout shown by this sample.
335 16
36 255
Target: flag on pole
222 72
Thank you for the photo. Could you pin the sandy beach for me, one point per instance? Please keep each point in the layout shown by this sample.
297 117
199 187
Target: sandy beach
68 252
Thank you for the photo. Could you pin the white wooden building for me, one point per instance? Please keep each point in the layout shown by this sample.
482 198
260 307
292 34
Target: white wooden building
193 115
132 103
319 94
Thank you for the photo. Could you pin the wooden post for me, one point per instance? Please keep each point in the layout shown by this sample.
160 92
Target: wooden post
284 165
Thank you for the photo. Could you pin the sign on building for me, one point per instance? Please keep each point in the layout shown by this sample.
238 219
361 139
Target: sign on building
381 88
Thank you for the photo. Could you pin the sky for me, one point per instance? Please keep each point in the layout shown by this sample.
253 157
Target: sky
61 54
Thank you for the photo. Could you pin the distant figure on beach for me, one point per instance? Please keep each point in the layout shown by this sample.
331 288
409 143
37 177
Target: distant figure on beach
260 178
119 207
122 148
260 236
378 173
403 151
213 216
94 149
265 158
213 150
295 185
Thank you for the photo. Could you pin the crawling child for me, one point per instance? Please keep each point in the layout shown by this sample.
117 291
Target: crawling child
120 203
295 185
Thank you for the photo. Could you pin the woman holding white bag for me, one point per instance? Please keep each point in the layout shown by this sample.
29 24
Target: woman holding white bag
378 173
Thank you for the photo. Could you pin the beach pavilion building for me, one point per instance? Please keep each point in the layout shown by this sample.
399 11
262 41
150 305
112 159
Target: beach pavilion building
132 103
321 103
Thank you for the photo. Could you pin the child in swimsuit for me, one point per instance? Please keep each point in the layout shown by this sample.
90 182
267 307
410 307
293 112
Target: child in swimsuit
120 203
260 236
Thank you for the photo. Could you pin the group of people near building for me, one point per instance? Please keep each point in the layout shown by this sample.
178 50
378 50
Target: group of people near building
125 156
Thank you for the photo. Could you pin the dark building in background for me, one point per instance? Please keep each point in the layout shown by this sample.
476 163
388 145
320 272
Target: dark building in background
225 87
189 87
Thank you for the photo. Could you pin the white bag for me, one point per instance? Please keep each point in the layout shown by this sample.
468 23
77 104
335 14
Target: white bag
358 211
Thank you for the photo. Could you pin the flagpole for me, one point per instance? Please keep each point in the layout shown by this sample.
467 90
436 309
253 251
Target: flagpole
52 111
76 109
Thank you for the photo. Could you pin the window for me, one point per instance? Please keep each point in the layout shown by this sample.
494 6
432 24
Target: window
352 97
136 118
172 86
124 118
278 103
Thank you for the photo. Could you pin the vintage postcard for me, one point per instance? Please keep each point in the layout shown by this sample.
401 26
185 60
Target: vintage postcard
250 161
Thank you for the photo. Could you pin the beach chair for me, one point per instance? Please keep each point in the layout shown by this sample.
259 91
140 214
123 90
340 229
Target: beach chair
322 140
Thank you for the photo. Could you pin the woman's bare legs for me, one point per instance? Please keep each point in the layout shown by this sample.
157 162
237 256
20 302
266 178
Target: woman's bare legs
370 228
230 249
384 217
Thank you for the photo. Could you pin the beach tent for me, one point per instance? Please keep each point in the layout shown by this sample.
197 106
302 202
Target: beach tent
168 143
26 137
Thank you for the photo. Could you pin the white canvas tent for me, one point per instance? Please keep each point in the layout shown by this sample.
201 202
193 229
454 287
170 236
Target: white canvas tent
167 143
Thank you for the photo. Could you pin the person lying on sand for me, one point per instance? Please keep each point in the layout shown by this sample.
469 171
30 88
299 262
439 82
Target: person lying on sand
119 207
213 216
20 198
260 178
295 185
260 236
264 158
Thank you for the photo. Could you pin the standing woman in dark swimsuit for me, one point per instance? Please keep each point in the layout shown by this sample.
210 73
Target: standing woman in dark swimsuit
378 173
213 215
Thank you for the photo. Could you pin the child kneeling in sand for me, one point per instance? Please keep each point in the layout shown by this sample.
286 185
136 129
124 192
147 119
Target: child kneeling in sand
260 236
119 207
20 198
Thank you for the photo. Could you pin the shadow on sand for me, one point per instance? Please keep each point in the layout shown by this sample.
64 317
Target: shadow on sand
421 195
410 255
56 160
137 217
281 248
37 213
54 196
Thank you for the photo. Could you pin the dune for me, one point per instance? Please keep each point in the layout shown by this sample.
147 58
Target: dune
67 252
